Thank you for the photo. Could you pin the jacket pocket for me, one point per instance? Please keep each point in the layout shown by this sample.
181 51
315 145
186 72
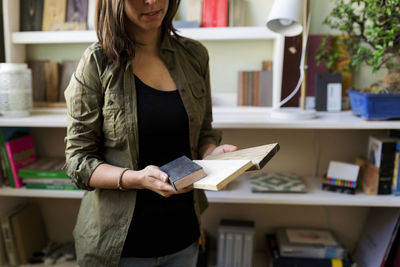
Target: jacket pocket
112 119
198 89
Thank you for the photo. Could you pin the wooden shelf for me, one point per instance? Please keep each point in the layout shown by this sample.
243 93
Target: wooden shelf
240 194
226 118
201 34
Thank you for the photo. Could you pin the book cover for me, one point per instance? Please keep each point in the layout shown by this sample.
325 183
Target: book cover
52 76
375 236
262 182
3 255
54 13
220 173
214 13
193 12
7 134
396 172
237 11
276 260
91 11
44 168
309 243
259 155
266 88
20 152
77 11
183 172
31 15
29 232
68 68
38 80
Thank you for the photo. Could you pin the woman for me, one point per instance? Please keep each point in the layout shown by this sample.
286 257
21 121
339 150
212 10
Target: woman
139 98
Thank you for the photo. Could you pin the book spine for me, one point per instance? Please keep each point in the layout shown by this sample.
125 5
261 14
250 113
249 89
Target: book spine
52 70
54 12
221 13
6 161
386 168
221 249
396 175
248 250
47 181
22 173
31 13
229 250
51 187
9 242
237 257
207 13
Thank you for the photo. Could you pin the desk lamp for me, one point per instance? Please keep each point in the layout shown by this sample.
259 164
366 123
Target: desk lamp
286 18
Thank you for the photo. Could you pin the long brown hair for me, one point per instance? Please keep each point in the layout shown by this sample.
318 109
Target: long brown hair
110 25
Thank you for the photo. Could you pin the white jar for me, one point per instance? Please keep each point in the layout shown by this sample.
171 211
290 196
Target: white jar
15 90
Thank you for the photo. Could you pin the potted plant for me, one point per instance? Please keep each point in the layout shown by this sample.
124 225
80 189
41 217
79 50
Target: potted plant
371 30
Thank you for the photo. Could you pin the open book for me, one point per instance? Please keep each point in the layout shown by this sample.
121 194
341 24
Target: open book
219 170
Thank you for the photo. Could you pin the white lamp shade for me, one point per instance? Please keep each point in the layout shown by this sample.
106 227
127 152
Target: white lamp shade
286 17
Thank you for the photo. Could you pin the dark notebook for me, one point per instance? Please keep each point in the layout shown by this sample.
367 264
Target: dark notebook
183 172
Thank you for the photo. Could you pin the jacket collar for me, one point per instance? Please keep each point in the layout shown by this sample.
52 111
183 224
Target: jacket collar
166 42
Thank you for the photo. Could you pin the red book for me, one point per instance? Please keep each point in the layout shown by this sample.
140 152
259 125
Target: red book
20 153
215 13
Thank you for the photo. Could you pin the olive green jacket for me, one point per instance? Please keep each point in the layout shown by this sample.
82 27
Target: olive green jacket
103 127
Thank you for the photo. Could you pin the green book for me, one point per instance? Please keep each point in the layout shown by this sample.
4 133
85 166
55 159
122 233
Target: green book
44 168
52 187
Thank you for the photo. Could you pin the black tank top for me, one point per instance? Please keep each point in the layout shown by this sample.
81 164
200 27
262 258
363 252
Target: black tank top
161 226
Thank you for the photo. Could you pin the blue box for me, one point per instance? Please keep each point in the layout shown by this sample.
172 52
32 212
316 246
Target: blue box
375 106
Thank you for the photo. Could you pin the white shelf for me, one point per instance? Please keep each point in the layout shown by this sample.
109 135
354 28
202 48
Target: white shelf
41 193
240 194
227 118
202 34
315 196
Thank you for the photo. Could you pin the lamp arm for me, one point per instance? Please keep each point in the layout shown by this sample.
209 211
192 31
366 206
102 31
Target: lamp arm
303 52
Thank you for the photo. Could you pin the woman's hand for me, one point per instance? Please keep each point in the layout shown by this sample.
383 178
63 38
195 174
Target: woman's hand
154 179
210 149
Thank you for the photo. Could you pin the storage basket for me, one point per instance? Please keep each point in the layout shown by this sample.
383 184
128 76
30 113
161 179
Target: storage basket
375 106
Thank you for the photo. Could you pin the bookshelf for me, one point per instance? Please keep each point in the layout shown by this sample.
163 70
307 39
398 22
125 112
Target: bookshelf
239 193
201 34
306 148
227 118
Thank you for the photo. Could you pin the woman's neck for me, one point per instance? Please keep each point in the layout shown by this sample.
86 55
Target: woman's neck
148 39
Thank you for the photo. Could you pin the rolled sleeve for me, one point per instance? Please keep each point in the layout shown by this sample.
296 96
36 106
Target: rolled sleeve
83 142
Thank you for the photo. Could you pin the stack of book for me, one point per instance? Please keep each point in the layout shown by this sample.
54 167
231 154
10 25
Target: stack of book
212 13
23 234
255 88
46 173
380 171
17 151
235 243
49 81
306 247
50 15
